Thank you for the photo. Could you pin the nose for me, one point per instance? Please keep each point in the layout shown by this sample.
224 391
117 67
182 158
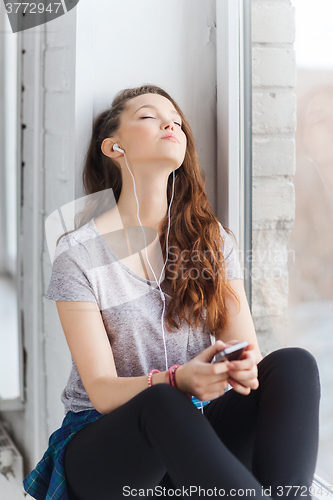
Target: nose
169 125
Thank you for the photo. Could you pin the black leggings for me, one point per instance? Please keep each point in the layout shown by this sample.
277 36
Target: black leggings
160 441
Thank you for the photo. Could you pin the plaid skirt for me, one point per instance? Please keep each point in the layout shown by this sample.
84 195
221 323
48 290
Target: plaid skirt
47 481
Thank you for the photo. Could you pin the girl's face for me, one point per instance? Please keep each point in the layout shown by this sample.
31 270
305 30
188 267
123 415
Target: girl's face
144 124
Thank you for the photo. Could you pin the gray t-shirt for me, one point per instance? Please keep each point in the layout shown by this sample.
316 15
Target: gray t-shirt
85 268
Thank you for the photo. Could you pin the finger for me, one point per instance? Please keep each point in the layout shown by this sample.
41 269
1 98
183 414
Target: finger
239 387
245 363
252 371
208 391
213 369
250 349
208 377
242 368
217 379
246 378
215 390
220 367
207 354
250 383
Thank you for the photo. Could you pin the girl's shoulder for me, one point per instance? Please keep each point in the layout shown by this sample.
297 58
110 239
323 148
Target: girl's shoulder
229 244
81 236
231 254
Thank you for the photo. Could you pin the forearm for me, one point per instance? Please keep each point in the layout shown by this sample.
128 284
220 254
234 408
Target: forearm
198 377
107 394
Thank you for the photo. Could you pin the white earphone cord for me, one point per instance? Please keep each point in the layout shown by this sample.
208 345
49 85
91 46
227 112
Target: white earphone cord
167 238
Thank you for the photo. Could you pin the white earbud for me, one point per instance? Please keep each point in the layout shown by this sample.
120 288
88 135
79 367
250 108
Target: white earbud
115 147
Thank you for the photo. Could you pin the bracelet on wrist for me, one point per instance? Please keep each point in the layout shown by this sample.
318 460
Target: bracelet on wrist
172 375
150 377
172 378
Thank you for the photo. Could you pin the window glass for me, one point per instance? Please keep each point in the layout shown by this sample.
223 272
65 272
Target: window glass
310 263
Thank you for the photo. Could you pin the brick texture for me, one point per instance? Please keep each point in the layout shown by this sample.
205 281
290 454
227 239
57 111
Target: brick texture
273 128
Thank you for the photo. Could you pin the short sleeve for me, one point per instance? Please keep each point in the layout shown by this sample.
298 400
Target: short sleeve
233 267
69 281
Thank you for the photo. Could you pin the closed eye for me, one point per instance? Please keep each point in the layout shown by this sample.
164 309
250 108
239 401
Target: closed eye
143 117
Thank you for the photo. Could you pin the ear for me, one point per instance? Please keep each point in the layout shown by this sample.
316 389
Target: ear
107 150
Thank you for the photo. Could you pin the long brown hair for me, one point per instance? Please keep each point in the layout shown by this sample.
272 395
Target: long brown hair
202 284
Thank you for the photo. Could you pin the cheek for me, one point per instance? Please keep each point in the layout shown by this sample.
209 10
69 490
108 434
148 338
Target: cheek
140 142
143 135
137 138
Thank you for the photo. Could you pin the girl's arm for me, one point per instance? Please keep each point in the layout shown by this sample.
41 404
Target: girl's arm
90 347
241 325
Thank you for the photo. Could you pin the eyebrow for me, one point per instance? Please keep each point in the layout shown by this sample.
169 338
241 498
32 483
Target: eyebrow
154 107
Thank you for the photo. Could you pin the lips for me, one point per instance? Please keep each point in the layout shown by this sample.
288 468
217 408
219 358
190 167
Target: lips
170 137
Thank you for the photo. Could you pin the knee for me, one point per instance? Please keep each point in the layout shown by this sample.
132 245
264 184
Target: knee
296 355
292 362
293 354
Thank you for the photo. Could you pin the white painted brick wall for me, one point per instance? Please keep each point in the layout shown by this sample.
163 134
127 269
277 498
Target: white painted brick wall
273 200
273 128
273 155
273 67
274 112
273 22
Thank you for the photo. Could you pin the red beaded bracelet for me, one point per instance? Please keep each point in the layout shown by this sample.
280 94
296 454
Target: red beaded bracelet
172 378
172 375
150 376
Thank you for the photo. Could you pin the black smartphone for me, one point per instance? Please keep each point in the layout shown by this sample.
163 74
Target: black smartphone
231 353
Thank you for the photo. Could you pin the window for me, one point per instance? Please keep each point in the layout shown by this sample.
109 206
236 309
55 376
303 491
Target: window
310 309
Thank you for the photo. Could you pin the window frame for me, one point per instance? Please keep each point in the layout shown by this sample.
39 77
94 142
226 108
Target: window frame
234 126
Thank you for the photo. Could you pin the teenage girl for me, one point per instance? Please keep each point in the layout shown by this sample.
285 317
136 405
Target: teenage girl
147 412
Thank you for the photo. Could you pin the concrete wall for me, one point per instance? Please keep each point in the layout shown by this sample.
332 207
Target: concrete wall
274 125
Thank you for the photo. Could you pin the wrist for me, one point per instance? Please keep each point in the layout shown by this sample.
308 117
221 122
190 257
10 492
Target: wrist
150 377
180 382
159 378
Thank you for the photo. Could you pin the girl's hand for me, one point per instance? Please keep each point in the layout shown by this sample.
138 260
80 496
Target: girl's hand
203 379
243 373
